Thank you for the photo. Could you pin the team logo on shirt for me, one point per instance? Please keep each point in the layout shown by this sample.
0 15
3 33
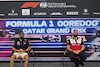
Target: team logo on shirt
18 43
24 42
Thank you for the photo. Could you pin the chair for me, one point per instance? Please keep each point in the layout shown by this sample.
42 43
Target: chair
32 52
20 58
77 57
64 53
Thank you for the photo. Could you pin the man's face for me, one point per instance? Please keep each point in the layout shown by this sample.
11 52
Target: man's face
21 36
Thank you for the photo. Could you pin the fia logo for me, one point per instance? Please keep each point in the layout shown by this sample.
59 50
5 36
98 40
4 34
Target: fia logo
43 5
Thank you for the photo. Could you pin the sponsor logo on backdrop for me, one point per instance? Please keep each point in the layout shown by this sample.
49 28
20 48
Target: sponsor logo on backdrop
43 5
56 5
85 12
72 13
39 13
2 14
96 13
12 13
48 5
56 13
30 4
25 11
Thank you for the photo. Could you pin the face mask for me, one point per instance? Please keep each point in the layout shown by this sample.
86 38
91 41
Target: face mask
75 35
21 37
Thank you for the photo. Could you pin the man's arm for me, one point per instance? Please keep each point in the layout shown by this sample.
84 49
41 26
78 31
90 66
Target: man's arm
68 46
83 48
29 47
14 49
82 45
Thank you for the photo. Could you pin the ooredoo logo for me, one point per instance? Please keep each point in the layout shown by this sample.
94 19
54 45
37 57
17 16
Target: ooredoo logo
30 4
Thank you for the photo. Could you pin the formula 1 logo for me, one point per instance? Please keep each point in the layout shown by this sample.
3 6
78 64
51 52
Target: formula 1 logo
30 4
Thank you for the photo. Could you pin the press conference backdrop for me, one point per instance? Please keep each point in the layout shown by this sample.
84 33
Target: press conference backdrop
48 36
48 25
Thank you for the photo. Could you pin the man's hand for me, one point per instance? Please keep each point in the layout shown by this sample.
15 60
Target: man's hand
77 52
17 51
21 51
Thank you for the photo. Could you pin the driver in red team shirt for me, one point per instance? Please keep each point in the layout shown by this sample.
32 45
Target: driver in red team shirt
76 47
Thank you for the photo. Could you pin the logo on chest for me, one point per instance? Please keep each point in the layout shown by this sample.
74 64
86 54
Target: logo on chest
18 43
75 43
24 42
